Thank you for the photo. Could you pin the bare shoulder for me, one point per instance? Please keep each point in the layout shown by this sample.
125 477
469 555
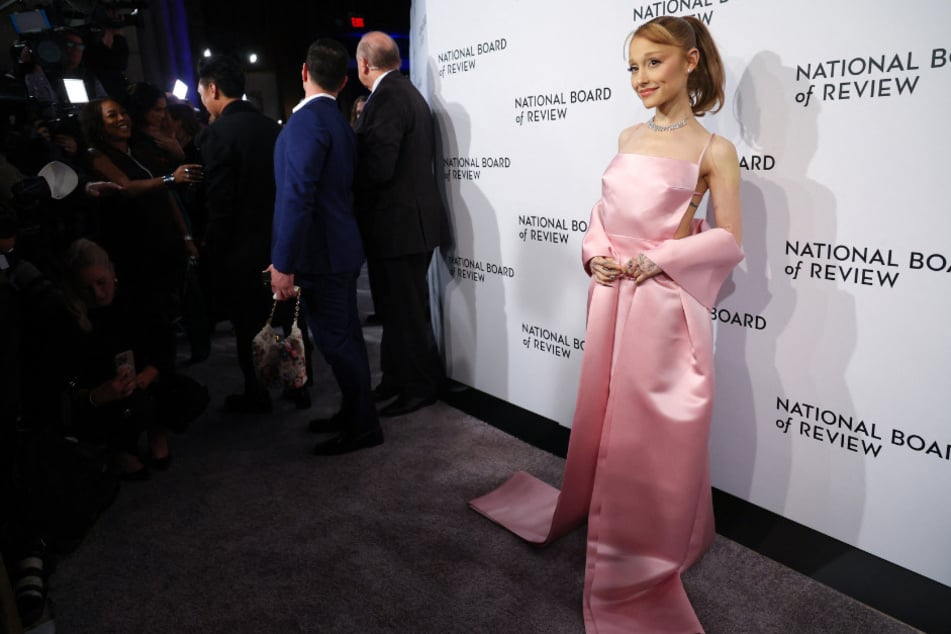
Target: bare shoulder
626 135
721 153
720 160
99 159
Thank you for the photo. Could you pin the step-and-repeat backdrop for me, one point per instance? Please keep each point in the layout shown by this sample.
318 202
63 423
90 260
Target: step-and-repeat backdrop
833 354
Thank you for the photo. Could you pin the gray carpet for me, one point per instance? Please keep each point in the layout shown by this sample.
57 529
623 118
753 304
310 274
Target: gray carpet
248 532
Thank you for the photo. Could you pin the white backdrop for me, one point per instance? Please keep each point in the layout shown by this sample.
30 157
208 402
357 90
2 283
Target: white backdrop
832 358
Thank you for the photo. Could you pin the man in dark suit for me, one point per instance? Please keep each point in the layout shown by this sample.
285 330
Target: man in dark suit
237 151
403 220
317 242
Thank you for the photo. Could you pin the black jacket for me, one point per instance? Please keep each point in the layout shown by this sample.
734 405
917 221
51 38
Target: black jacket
397 202
238 153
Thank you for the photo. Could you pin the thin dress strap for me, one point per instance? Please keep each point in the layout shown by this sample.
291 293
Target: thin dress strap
702 154
700 160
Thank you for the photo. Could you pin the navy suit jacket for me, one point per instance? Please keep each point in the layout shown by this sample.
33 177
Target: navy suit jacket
315 231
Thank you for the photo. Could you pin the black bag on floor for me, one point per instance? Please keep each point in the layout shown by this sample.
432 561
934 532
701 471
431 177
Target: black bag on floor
179 400
63 485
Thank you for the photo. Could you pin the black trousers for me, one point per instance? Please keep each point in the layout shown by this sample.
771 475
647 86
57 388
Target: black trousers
246 302
330 305
409 357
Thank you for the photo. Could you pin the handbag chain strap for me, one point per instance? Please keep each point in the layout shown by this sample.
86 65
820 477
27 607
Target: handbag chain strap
270 319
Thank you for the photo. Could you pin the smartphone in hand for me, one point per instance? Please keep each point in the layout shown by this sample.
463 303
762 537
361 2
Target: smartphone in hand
125 364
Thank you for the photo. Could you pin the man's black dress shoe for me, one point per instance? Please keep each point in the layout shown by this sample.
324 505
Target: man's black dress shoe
248 404
347 443
327 425
383 392
407 405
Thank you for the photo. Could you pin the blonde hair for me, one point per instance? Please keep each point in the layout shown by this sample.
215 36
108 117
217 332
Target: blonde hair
82 254
705 83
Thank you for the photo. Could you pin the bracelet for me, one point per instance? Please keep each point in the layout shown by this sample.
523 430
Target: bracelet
168 180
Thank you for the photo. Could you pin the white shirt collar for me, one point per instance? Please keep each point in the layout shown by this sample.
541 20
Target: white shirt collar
307 100
378 79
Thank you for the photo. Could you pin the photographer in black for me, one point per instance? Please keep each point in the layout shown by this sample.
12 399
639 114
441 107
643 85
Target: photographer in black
73 68
51 486
107 53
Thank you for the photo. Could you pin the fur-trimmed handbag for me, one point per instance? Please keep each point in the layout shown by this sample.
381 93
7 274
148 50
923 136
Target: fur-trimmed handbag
278 360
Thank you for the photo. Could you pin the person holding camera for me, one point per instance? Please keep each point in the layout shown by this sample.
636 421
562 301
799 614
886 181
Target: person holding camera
108 55
74 48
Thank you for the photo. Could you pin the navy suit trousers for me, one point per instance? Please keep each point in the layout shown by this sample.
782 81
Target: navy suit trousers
330 305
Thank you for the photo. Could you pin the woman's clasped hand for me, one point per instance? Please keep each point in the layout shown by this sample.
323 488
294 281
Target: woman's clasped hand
606 269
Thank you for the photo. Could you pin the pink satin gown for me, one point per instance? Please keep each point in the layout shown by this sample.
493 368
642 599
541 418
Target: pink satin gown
638 461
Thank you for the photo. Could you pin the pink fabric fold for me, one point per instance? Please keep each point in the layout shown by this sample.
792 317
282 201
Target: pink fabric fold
637 467
699 263
595 241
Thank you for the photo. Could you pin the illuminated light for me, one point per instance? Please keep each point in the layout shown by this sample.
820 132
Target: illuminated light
207 52
180 90
253 58
76 91
357 22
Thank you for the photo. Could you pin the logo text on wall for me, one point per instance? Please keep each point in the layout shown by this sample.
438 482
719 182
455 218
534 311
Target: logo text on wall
863 266
737 318
554 106
548 229
701 9
463 59
829 427
466 268
470 168
552 342
877 76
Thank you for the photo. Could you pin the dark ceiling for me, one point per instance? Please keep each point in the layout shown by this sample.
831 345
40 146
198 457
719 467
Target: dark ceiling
280 32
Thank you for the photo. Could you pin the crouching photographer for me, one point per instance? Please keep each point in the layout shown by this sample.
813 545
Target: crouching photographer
52 488
122 383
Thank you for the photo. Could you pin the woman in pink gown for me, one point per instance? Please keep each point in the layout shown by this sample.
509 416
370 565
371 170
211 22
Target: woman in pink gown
638 466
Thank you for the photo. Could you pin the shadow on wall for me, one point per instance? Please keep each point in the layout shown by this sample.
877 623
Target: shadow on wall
804 351
473 321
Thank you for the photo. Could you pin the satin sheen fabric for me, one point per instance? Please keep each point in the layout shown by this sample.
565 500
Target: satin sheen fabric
638 464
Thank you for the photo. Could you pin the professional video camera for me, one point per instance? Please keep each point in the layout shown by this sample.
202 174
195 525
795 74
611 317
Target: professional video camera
40 29
44 54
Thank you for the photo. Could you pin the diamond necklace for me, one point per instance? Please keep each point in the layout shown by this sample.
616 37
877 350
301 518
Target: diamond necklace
666 128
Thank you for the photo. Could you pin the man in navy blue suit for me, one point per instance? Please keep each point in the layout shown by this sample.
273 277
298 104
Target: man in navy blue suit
316 242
